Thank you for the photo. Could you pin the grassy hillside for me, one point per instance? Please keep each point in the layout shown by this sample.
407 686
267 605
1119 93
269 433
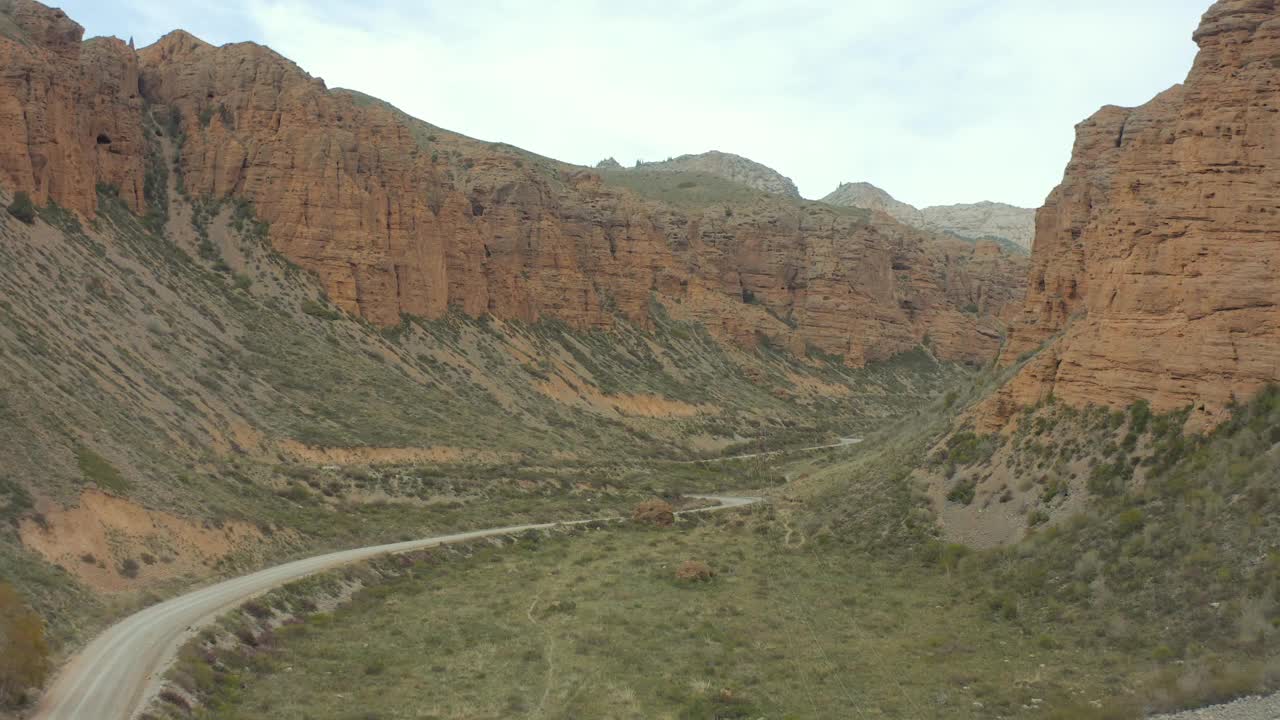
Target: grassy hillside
179 402
685 189
841 598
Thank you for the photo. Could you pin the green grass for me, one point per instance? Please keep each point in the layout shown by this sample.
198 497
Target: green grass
130 359
598 627
686 189
8 28
1158 598
99 470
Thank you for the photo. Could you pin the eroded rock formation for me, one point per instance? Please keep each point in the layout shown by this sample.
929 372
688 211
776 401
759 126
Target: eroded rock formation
397 217
70 112
1156 269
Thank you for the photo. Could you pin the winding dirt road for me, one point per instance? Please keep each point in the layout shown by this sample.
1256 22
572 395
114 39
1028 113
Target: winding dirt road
116 674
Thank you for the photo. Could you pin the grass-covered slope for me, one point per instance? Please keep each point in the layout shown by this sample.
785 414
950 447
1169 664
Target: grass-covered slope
842 598
177 402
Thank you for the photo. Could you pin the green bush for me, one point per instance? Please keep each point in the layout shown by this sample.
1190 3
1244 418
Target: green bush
25 660
315 309
963 492
1130 521
22 208
1110 479
100 471
967 448
1140 416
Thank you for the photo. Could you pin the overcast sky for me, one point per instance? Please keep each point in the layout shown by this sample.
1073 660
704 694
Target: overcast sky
936 101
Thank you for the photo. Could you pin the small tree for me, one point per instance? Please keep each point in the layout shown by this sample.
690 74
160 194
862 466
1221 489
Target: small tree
22 208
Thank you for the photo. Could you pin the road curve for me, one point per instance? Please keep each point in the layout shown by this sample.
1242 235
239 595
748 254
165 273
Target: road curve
115 675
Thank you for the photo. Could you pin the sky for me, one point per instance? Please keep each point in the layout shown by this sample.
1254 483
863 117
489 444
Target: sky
936 101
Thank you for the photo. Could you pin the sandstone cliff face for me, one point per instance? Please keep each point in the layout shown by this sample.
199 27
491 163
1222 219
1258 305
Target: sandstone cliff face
734 168
397 217
1155 269
70 112
974 221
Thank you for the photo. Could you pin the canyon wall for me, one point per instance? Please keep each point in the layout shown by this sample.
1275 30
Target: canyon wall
1156 269
70 112
397 217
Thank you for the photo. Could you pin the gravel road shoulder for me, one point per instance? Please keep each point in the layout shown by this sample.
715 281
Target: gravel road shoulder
1253 708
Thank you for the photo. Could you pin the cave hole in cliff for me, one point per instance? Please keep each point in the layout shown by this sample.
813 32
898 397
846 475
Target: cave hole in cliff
477 209
103 139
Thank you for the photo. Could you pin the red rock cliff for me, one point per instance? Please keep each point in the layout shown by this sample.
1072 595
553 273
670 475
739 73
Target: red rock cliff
70 112
398 217
1156 268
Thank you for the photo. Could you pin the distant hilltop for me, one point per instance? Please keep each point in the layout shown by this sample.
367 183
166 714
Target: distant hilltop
972 222
728 166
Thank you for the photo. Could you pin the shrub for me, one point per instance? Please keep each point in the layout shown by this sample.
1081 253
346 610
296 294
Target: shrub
967 448
694 571
1110 479
654 512
1140 416
1130 521
315 309
22 208
963 492
246 636
25 660
257 610
175 698
101 472
951 555
129 568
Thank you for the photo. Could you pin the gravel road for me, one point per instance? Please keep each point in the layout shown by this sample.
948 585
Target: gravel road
114 677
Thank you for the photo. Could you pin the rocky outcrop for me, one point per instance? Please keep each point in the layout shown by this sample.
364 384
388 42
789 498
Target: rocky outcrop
728 166
975 221
397 217
869 197
70 112
981 220
1154 275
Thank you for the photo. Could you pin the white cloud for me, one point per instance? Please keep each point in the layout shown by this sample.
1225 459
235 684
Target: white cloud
938 101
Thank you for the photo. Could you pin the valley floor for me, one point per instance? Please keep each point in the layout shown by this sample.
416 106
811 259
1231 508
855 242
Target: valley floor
835 599
599 626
